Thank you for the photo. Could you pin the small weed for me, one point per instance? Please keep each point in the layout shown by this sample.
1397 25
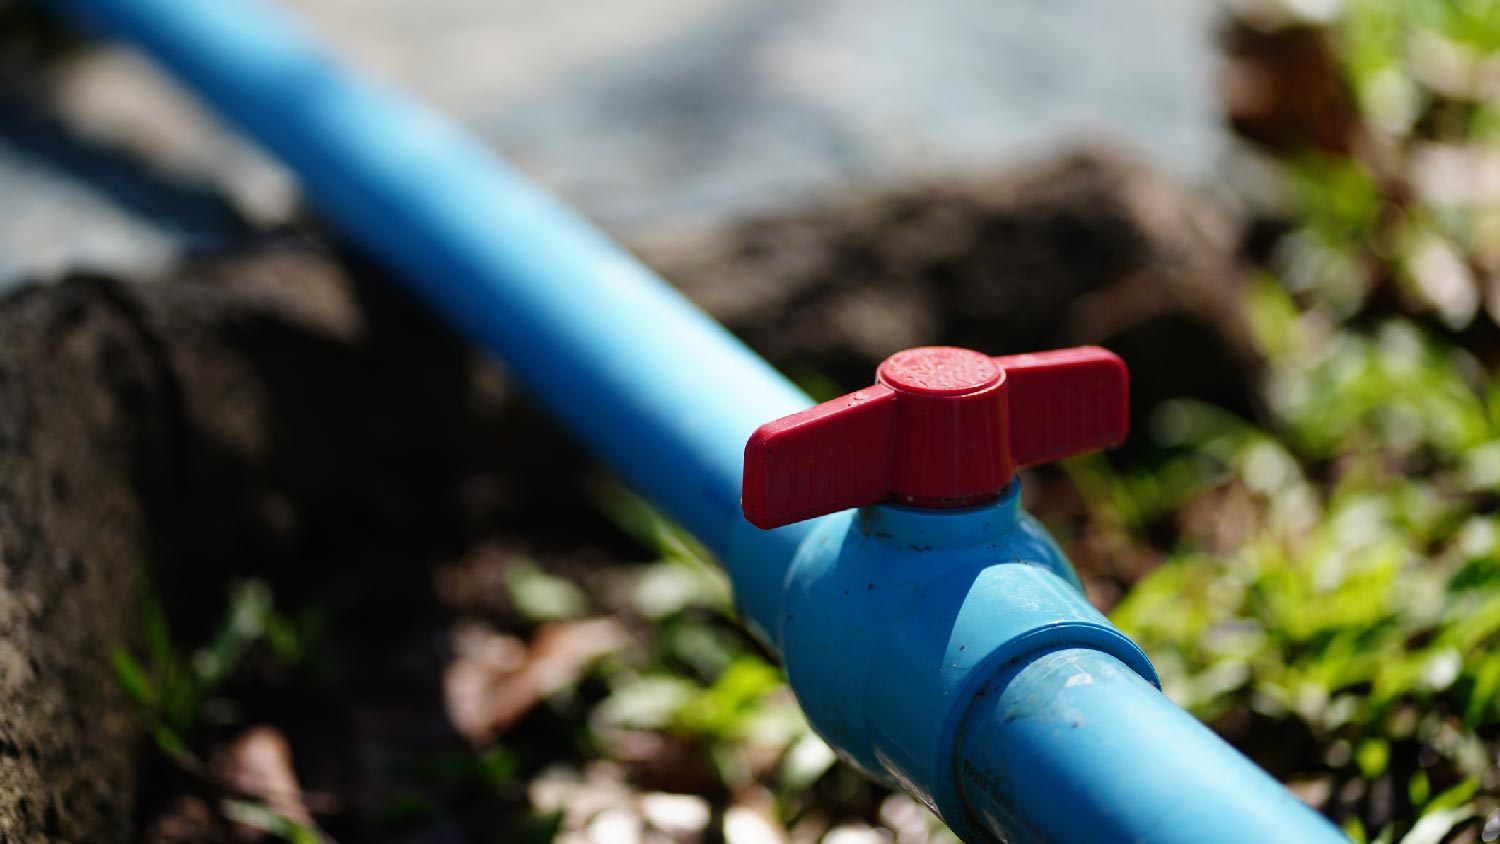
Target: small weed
176 689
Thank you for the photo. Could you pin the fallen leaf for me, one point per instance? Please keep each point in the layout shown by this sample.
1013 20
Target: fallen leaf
258 765
488 688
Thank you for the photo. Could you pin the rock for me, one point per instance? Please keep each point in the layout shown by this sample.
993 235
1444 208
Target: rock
261 416
1088 249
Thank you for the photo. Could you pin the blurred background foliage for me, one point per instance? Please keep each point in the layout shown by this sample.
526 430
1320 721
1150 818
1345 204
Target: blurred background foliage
1335 609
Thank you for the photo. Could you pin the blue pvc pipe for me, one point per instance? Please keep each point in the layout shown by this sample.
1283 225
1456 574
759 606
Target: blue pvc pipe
1073 746
668 398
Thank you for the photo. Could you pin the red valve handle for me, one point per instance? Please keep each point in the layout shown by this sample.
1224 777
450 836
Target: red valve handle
942 427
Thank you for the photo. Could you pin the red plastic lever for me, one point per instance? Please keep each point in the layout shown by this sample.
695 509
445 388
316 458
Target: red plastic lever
941 427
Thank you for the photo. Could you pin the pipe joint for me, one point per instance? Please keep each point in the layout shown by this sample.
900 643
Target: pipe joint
896 619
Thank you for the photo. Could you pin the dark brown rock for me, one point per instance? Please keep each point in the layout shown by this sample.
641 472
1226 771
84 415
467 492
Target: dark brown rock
259 415
80 429
1091 249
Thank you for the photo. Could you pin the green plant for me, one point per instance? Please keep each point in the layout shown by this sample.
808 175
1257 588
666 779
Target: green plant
176 689
1361 605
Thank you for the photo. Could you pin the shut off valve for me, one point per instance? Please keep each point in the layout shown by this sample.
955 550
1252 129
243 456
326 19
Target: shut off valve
941 428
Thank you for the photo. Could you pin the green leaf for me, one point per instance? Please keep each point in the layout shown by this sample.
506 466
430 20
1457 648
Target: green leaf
1373 756
676 584
245 621
647 525
724 709
1457 796
804 763
541 596
264 818
1418 788
132 679
646 703
498 766
533 829
168 740
1434 826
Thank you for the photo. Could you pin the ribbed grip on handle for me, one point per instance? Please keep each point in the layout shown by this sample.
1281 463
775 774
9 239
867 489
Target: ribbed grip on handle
1065 402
